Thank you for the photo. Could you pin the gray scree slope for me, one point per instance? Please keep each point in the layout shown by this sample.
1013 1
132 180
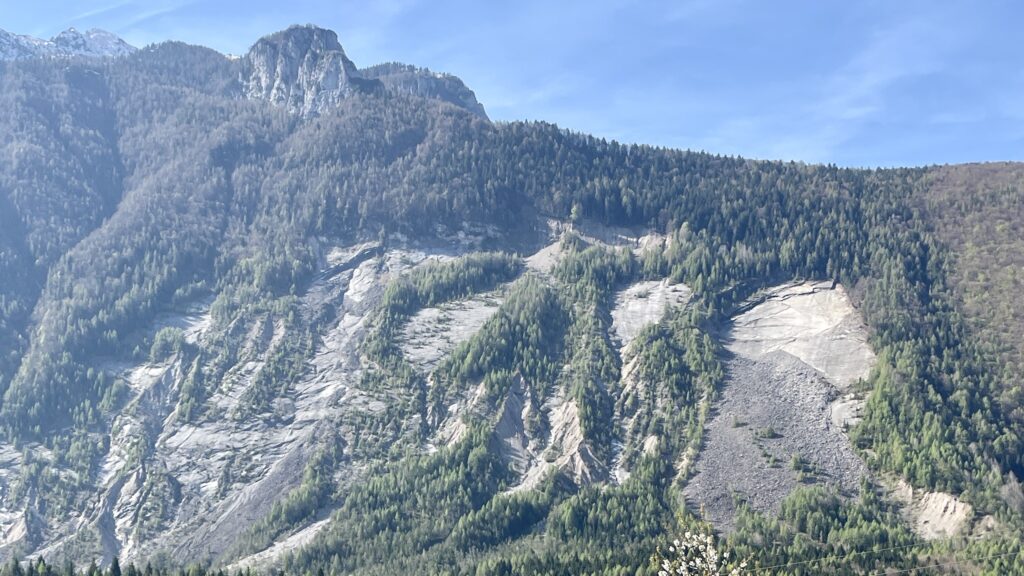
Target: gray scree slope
796 349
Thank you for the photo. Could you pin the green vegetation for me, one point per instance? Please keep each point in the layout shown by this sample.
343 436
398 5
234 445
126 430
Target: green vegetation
404 509
167 342
429 285
525 335
315 492
589 277
134 186
432 285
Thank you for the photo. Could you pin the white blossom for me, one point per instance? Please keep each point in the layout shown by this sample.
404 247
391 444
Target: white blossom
696 555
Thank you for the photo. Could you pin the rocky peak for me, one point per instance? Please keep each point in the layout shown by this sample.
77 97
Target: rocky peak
71 42
302 41
92 42
303 68
15 47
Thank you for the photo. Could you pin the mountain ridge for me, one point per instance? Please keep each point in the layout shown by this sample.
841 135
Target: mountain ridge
93 43
293 322
305 69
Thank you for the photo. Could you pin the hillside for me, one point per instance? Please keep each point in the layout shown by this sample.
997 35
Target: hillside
282 311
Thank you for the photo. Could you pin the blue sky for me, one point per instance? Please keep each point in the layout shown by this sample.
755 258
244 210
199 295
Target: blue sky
864 83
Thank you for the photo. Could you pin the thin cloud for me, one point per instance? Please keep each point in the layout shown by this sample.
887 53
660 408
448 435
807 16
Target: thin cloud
909 49
149 15
857 94
142 27
855 83
104 10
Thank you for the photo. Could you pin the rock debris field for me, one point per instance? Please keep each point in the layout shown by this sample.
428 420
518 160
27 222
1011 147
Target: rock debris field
432 333
795 351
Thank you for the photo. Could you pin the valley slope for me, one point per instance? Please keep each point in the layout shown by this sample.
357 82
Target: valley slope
283 311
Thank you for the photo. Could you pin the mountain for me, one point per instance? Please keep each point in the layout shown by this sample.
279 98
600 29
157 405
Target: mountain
423 82
303 69
91 43
281 313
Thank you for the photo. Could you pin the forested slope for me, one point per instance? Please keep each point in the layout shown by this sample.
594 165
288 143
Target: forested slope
135 188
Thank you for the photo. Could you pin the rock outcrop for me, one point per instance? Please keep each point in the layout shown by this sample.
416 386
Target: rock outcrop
191 487
433 332
642 304
563 449
407 79
303 69
933 515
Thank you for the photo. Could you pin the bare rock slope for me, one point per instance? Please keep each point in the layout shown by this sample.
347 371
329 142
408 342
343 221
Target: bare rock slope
192 486
432 333
796 350
933 515
642 304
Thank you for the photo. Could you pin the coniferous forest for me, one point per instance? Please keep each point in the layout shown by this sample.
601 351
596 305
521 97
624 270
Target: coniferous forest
148 187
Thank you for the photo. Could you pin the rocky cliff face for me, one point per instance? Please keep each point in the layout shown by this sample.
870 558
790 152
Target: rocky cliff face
289 372
796 352
409 79
304 69
91 43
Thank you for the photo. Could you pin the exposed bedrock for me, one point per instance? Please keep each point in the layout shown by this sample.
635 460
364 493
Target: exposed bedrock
795 352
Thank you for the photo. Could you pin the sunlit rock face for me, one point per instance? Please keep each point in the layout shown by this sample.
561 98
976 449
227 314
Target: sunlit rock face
795 352
303 69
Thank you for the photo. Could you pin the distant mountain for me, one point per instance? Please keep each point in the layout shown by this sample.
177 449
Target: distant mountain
91 43
304 68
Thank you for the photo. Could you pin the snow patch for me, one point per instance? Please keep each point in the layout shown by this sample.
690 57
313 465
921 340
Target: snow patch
91 43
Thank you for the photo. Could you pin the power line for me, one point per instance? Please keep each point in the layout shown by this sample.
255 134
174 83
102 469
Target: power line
838 556
885 572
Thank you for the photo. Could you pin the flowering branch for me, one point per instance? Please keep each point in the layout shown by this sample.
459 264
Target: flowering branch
696 555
